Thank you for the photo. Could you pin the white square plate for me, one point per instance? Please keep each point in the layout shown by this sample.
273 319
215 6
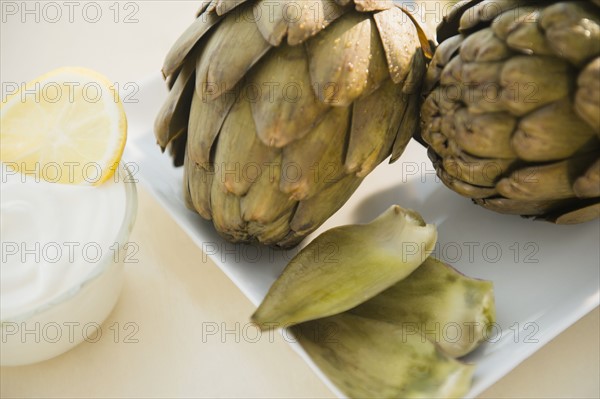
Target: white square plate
546 277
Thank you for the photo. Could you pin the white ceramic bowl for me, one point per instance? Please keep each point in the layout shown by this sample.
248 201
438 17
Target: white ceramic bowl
59 325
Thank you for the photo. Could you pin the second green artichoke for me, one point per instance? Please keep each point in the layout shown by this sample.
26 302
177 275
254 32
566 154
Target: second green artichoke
512 114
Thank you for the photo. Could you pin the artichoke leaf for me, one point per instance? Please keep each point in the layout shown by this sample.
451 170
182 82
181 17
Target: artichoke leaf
539 182
485 11
204 5
206 119
226 214
485 135
186 42
572 30
299 20
374 123
482 172
345 266
264 202
440 59
283 105
373 5
541 134
315 16
449 308
272 232
408 126
240 157
483 46
527 37
224 6
463 188
187 195
313 211
524 88
587 98
343 2
393 24
310 164
369 358
580 215
218 70
588 185
198 182
408 110
339 59
518 207
173 116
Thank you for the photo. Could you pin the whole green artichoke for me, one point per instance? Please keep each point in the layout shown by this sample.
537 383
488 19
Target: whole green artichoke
512 113
279 109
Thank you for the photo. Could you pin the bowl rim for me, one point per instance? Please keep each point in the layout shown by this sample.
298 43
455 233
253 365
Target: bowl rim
131 205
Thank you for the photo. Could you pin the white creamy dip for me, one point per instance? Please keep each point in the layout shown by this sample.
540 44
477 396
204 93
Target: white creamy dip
53 236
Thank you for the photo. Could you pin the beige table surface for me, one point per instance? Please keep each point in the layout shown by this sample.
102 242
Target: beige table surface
171 293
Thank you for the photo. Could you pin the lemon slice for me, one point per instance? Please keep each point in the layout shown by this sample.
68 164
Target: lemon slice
67 126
